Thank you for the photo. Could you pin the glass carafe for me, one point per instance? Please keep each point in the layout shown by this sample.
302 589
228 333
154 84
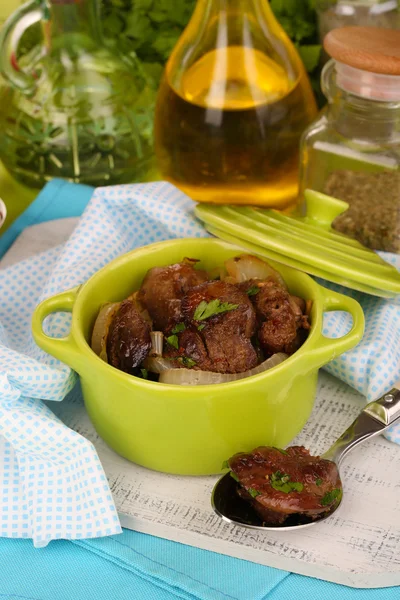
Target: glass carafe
73 108
233 103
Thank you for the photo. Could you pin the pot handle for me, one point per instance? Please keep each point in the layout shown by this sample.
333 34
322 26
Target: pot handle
65 349
326 349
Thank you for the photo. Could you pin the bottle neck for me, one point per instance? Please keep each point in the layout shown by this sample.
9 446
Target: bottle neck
217 6
237 20
246 23
72 18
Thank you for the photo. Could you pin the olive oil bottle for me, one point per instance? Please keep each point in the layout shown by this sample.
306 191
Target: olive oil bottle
232 106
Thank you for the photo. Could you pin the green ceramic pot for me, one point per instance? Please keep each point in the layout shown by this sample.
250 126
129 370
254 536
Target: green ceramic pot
182 429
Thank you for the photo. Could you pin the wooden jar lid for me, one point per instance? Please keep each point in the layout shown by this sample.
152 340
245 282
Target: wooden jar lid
371 49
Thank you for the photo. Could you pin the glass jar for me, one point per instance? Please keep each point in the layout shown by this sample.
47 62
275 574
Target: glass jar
233 103
352 151
368 13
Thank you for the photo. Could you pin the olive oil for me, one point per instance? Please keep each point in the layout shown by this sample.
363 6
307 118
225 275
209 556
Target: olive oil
229 132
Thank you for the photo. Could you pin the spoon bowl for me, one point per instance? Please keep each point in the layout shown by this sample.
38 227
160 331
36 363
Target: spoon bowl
373 420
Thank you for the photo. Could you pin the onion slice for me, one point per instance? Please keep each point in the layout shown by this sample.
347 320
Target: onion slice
157 343
101 327
245 267
158 365
194 377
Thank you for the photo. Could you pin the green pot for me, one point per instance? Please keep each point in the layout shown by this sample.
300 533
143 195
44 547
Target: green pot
184 429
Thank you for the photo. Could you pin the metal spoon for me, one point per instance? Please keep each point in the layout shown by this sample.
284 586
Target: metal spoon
373 420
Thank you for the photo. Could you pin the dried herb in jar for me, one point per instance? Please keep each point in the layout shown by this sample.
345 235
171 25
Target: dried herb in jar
374 214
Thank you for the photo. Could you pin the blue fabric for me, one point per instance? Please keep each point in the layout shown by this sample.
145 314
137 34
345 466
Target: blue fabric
132 565
58 199
65 571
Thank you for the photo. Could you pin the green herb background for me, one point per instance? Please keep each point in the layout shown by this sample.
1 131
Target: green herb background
152 27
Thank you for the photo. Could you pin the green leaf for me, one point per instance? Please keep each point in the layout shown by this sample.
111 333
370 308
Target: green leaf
253 493
281 482
280 450
297 486
310 56
164 43
234 476
331 496
187 362
225 464
205 310
318 482
201 326
173 341
179 328
145 373
253 291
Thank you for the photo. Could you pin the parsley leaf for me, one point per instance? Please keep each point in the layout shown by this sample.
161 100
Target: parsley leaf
205 310
145 373
173 341
253 493
318 482
253 291
281 482
280 450
201 326
187 362
234 476
331 496
179 328
225 465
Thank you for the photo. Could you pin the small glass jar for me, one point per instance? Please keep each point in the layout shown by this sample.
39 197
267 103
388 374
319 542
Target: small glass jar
367 13
352 151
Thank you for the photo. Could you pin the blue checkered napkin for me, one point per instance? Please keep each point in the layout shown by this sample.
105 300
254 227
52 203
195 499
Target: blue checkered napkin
52 483
373 367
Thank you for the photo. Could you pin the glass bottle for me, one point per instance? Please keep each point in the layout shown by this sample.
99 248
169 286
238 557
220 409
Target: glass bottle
73 108
352 150
231 107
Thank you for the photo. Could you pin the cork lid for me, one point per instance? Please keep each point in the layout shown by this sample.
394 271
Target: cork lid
372 49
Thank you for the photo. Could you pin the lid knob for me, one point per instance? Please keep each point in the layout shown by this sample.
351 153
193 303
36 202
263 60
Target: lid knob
323 209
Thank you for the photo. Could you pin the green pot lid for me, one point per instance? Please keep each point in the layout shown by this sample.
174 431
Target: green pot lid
306 243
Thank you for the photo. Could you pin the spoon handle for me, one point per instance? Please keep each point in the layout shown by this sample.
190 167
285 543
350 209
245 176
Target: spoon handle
373 420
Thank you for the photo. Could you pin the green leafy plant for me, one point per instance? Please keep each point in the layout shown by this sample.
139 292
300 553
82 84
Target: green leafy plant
152 27
299 20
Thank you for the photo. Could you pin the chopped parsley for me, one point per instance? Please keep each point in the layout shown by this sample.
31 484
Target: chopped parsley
179 328
187 362
145 373
253 291
253 493
281 482
330 497
318 482
205 310
280 450
225 465
201 326
173 341
234 476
